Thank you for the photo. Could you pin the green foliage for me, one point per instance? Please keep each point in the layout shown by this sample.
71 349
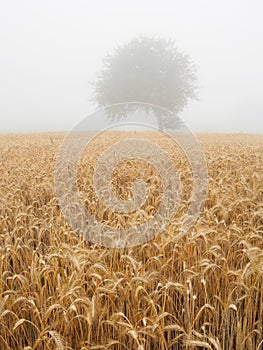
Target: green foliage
147 70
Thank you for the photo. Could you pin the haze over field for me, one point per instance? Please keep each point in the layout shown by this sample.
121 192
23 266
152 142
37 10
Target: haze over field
130 231
50 52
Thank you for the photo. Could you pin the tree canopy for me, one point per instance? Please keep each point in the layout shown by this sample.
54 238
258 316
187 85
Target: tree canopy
146 70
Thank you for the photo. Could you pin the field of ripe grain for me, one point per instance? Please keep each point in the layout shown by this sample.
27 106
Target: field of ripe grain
204 291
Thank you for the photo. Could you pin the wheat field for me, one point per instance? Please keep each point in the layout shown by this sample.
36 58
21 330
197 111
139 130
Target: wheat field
202 291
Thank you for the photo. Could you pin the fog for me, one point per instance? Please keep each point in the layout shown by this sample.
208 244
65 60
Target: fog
51 50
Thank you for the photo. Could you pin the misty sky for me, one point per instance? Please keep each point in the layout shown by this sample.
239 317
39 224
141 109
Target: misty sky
51 50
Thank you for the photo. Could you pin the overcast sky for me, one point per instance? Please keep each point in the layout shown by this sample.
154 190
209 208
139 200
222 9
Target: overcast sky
50 51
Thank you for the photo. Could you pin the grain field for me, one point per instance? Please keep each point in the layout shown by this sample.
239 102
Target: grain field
203 291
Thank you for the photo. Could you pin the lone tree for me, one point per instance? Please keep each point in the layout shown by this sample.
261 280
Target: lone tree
150 71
